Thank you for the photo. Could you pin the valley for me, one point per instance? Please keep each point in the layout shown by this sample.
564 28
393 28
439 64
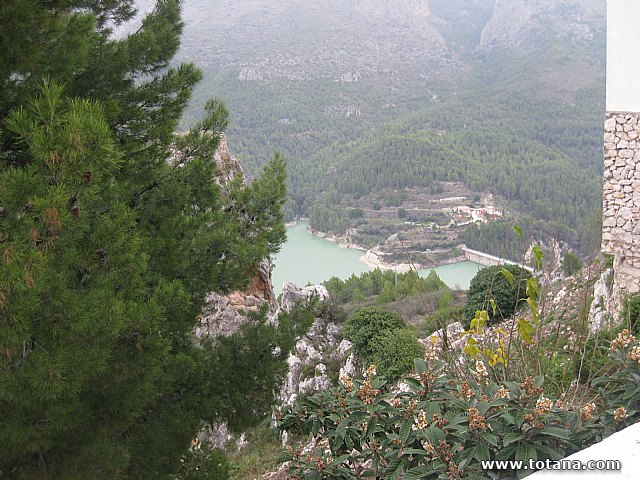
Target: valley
366 99
309 259
335 239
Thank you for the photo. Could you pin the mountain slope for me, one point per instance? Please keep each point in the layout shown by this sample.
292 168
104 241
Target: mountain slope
334 84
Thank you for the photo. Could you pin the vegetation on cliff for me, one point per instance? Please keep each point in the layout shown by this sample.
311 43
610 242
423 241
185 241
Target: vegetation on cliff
493 400
112 231
498 290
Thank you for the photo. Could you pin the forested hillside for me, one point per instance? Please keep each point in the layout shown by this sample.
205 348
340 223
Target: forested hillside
506 97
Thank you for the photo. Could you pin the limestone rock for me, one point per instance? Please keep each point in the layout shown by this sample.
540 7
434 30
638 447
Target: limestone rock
291 295
599 316
349 368
312 350
610 125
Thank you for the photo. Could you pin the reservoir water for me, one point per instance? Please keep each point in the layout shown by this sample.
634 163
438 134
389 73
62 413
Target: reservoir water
305 258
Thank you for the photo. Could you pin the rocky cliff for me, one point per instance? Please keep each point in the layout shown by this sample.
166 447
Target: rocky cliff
224 314
524 24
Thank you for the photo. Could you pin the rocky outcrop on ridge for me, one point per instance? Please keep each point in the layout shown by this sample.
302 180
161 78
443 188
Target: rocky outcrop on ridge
308 369
520 24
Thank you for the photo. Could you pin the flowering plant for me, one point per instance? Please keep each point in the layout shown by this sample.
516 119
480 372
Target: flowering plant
430 427
621 389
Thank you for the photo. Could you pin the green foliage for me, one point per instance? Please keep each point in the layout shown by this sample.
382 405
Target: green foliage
205 463
473 138
260 455
110 244
386 285
393 352
328 219
497 238
439 427
620 387
356 213
243 396
365 325
466 127
496 292
571 264
596 347
630 315
449 421
595 354
381 337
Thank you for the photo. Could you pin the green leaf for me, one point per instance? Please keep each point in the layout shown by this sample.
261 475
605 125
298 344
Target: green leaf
533 307
510 438
631 392
509 276
435 435
416 473
482 452
341 429
538 256
510 419
552 453
526 452
506 453
432 408
394 469
405 430
525 330
482 407
490 438
421 366
556 432
415 451
523 454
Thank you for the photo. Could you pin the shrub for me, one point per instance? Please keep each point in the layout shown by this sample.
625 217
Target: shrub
571 264
436 428
501 286
393 352
356 213
205 463
596 349
365 325
621 388
630 315
446 421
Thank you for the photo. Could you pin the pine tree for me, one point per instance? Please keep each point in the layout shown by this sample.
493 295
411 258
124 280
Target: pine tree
112 230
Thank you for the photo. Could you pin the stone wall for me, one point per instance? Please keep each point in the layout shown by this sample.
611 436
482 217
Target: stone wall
621 203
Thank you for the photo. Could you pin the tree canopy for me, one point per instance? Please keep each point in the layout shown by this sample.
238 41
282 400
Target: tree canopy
112 231
498 290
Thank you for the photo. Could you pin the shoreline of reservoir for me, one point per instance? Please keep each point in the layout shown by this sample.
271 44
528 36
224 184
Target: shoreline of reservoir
313 257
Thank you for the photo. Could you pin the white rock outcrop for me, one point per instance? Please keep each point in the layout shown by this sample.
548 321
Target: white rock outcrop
308 371
599 315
